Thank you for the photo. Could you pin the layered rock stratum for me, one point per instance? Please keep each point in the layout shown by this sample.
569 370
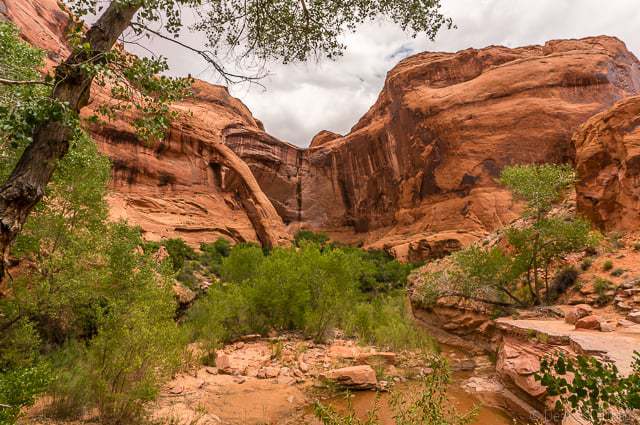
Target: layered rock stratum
416 175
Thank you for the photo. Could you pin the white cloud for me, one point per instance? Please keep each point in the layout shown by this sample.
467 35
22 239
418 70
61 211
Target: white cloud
302 99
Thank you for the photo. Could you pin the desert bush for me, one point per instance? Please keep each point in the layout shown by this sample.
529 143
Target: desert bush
242 263
19 388
380 271
563 280
136 344
179 252
617 272
387 322
212 254
601 286
586 263
607 265
310 236
310 288
306 289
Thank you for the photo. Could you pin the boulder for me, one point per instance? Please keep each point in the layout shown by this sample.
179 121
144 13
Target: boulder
343 352
634 316
354 377
577 312
591 322
606 326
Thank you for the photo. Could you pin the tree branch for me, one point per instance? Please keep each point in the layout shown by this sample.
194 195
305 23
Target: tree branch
229 77
23 82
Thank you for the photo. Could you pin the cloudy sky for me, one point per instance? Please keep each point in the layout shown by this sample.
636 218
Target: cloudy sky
299 100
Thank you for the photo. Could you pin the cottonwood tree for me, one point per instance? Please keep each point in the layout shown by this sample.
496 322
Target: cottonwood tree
516 273
287 30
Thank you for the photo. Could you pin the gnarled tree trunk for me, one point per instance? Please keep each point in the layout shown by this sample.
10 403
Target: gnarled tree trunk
26 185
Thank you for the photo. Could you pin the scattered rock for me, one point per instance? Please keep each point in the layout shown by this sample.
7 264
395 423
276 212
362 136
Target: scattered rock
354 377
184 295
161 254
481 384
342 352
626 323
589 322
606 326
634 316
268 372
578 312
464 365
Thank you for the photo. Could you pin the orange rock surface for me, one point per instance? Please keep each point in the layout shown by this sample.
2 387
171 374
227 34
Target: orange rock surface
608 167
415 176
190 185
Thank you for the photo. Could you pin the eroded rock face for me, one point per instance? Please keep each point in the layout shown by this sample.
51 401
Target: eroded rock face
608 166
417 174
190 185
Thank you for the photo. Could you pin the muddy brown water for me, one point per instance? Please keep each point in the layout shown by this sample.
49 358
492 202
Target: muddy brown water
364 402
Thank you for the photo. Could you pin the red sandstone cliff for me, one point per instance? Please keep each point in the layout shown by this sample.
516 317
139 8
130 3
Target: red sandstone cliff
608 167
416 175
190 184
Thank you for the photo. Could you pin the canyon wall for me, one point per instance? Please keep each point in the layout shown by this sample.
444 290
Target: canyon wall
608 167
415 176
190 185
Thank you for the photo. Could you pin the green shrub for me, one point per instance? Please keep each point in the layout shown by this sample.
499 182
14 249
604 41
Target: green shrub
309 289
636 246
617 272
179 252
381 272
586 263
212 254
242 263
137 342
19 388
607 265
601 286
309 236
386 321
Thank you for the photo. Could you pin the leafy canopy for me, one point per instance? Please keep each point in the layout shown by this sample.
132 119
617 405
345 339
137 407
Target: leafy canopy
593 388
539 185
88 319
517 271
